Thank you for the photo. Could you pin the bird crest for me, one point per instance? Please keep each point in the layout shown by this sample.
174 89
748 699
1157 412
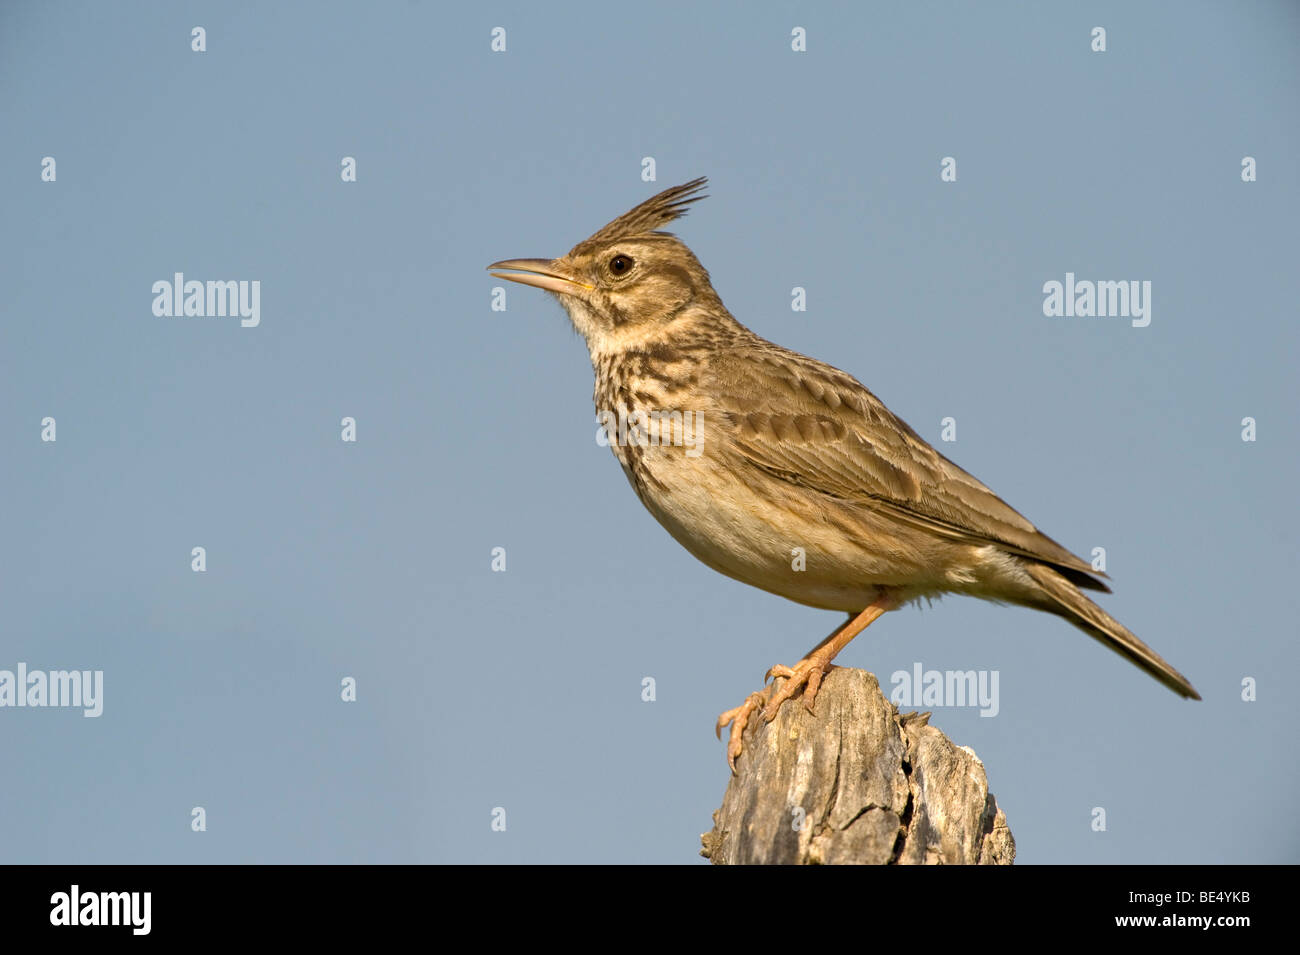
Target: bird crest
655 212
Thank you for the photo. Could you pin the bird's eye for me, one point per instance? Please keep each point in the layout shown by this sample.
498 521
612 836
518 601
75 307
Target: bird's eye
620 265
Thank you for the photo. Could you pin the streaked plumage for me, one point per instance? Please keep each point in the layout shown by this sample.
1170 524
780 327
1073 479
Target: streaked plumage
795 453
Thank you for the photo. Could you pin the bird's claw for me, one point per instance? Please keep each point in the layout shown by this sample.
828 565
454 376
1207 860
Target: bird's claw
739 719
777 671
807 675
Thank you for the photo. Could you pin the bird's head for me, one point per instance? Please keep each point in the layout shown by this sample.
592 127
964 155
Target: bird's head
628 281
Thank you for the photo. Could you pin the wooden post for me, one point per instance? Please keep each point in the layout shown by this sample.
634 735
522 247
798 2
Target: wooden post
856 783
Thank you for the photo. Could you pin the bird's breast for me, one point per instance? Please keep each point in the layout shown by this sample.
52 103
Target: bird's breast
687 481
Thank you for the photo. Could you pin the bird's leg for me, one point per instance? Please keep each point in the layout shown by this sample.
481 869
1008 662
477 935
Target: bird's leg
739 717
808 671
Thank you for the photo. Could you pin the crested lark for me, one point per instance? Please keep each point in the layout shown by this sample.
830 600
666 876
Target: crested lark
789 452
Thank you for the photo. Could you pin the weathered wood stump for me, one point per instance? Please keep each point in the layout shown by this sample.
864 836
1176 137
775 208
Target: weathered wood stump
859 783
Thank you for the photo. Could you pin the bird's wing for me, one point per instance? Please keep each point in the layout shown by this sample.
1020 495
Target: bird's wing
806 423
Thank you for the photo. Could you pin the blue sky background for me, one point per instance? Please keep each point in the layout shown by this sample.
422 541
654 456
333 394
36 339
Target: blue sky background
475 428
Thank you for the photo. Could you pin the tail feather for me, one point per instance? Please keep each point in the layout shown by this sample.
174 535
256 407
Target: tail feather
1063 598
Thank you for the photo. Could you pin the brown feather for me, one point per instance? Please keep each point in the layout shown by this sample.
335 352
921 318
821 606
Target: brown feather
861 452
1064 599
655 212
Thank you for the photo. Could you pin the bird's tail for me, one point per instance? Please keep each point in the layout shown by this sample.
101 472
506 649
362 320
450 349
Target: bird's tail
1065 599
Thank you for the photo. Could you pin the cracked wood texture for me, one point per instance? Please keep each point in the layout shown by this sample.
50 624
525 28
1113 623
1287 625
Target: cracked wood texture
858 783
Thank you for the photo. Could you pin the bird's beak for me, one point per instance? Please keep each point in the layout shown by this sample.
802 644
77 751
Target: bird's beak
539 273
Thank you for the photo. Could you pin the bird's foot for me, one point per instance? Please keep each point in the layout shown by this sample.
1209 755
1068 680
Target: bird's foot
807 675
739 719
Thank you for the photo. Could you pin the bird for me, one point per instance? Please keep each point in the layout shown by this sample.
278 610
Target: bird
777 454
